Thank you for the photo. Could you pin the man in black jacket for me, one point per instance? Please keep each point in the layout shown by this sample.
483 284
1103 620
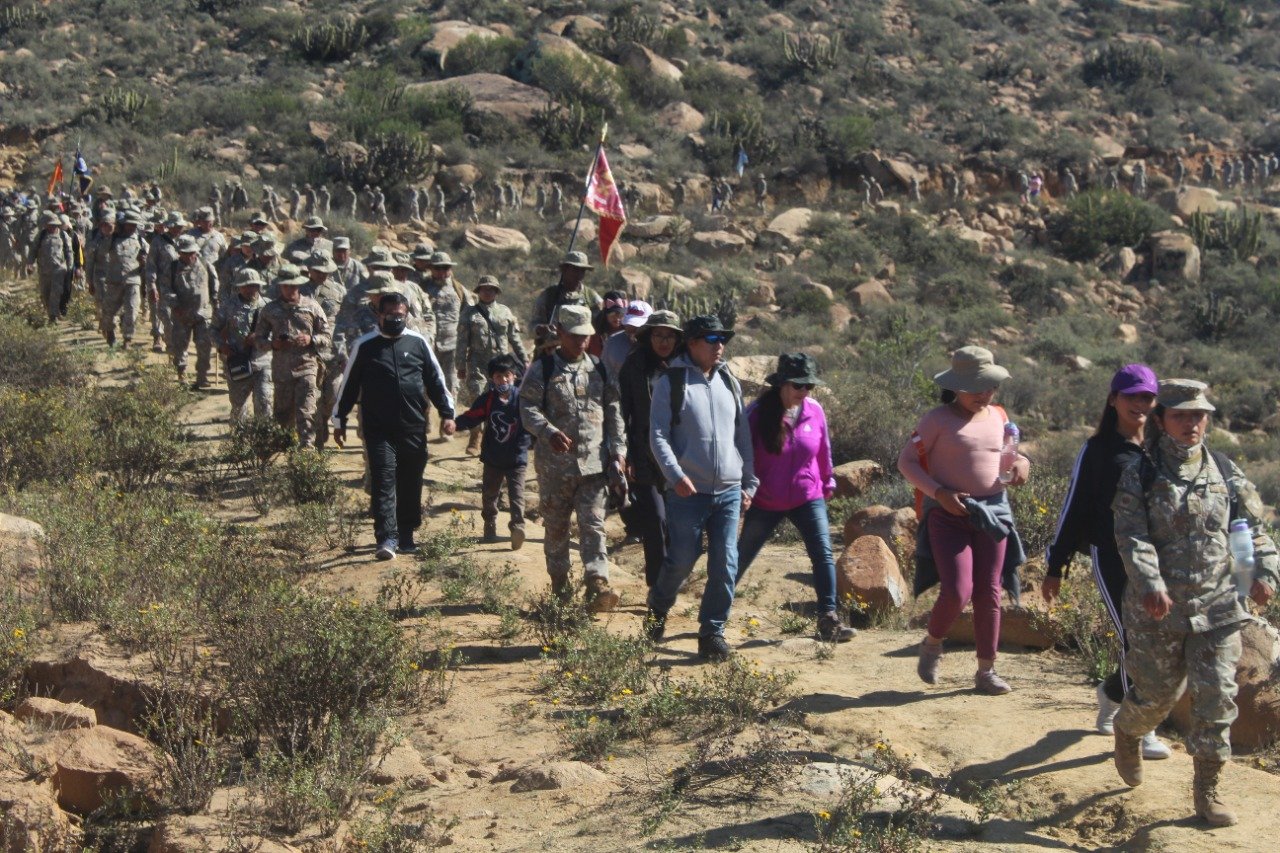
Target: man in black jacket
392 372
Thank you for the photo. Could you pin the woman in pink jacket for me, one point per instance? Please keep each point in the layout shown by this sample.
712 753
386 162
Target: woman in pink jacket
793 462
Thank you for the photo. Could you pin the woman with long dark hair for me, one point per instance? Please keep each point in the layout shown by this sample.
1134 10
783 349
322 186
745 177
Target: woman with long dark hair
1086 523
793 462
608 321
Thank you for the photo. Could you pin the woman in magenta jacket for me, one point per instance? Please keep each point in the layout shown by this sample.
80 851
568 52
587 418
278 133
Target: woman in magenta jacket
793 462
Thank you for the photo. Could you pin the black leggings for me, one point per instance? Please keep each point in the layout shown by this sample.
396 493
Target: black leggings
1109 575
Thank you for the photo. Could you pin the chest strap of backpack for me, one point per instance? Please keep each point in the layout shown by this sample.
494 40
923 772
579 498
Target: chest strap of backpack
679 379
548 362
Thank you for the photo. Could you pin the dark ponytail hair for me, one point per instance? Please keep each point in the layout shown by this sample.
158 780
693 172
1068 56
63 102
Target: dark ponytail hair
947 396
1110 419
769 412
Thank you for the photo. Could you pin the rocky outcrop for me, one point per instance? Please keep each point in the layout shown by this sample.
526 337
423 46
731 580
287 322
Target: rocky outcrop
492 93
786 230
642 60
867 574
716 244
446 35
100 764
491 238
852 478
1174 257
680 117
557 776
21 543
52 714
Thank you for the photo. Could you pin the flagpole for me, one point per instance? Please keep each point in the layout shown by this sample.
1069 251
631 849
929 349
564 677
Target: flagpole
582 207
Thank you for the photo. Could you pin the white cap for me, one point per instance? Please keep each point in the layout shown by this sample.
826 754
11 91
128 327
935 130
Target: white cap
637 312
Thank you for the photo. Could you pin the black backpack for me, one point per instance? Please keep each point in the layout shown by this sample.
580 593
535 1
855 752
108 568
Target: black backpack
1147 476
678 379
548 362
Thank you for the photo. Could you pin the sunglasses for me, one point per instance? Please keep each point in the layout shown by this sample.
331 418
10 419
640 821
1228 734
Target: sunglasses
802 386
715 339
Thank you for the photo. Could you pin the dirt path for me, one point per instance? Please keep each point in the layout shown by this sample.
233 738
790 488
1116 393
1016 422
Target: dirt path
1056 787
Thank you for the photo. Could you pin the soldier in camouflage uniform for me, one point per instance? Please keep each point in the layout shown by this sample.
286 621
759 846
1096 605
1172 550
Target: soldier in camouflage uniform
96 250
1182 613
162 254
238 257
351 272
188 291
121 293
51 254
295 328
212 242
8 239
486 330
312 241
333 358
446 298
569 406
568 291
233 324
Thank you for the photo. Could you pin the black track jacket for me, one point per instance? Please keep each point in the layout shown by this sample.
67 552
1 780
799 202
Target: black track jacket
392 378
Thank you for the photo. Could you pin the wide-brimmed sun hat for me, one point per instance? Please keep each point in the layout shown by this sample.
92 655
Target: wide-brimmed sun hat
973 370
798 368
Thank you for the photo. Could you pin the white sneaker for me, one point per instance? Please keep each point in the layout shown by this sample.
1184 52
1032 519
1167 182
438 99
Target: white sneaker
1154 749
1107 711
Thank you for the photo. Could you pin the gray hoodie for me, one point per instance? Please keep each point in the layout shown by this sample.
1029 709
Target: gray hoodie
705 446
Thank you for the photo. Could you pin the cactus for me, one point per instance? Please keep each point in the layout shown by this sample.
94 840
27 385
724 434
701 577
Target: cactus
388 159
122 106
168 170
332 41
566 127
811 54
1216 316
628 24
1237 234
13 18
1124 64
687 305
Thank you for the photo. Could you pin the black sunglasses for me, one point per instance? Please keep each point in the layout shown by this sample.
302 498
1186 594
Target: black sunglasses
802 386
715 339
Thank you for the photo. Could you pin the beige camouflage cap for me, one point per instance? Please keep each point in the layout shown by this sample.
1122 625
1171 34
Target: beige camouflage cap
487 281
574 319
1184 394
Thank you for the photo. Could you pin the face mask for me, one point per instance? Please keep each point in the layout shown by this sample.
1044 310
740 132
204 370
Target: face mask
393 327
503 389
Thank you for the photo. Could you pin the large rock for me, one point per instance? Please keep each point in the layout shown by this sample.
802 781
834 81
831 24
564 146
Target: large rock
1174 256
889 173
30 820
21 543
751 371
762 295
457 176
680 118
402 765
93 678
867 572
495 239
872 294
656 228
492 93
559 775
446 35
786 229
897 527
1258 677
636 282
52 714
643 60
1188 201
102 763
852 478
716 244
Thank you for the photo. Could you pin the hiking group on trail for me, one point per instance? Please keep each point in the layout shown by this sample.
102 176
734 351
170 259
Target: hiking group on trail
633 409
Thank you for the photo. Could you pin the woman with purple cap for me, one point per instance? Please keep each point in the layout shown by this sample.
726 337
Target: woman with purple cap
1086 522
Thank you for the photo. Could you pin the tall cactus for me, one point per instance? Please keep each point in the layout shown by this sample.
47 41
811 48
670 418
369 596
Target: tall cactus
811 54
1238 234
122 106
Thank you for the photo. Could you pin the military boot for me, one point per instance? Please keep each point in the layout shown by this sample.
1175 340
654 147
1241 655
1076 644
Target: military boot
1128 759
600 598
490 531
473 444
156 345
1208 806
562 588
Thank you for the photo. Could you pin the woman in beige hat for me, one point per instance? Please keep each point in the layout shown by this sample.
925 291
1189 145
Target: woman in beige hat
966 526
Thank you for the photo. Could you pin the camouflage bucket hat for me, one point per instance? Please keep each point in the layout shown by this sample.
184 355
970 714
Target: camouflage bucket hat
260 219
576 259
1186 394
321 262
440 259
176 220
248 238
574 320
487 281
135 218
423 252
188 246
247 278
798 368
662 320
314 223
49 218
265 246
204 214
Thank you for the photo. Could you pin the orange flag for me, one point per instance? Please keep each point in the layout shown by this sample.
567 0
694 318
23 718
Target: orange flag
603 198
56 178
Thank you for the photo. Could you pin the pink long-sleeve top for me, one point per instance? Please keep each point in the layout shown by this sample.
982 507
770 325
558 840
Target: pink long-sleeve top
964 455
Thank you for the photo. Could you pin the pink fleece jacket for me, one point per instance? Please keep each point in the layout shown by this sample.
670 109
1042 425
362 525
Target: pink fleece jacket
802 471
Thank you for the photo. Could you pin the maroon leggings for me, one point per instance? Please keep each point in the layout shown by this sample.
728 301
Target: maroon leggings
969 566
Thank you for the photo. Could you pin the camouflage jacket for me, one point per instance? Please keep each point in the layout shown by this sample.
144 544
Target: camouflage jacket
580 403
300 249
160 254
213 245
350 274
125 260
1172 537
481 337
330 296
549 300
188 291
234 322
53 252
446 299
96 263
280 319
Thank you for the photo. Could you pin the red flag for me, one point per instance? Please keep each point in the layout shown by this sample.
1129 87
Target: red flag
603 198
55 179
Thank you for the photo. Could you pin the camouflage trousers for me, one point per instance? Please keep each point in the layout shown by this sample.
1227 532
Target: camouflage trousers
294 404
52 286
120 298
161 322
180 337
561 494
1161 664
257 387
330 383
448 359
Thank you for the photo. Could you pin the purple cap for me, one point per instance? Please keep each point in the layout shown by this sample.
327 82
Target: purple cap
1135 379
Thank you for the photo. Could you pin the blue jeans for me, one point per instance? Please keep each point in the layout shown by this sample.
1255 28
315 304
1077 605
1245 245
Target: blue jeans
687 519
811 520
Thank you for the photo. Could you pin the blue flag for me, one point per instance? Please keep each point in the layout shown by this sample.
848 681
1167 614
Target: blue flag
741 161
81 167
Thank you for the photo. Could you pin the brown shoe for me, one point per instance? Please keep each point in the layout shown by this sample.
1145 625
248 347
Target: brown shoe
473 444
517 538
600 598
1208 806
1128 758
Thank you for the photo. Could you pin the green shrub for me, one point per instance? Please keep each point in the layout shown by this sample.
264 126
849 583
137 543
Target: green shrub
141 440
34 358
477 54
1125 64
331 41
45 436
17 626
1097 220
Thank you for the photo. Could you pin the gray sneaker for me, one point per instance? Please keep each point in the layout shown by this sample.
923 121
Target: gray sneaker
989 683
927 666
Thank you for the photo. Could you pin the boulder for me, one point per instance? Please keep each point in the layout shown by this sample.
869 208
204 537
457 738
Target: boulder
988 244
51 714
454 178
1258 677
654 228
21 543
641 59
670 284
495 239
716 244
867 572
1122 263
559 775
493 94
897 527
587 230
1187 201
30 820
872 294
762 295
93 678
1127 333
1174 256
572 26
96 764
1075 363
446 35
751 371
852 478
1108 149
681 118
402 766
786 229
636 282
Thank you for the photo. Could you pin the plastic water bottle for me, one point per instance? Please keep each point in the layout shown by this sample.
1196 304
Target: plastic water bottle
1241 543
1008 452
